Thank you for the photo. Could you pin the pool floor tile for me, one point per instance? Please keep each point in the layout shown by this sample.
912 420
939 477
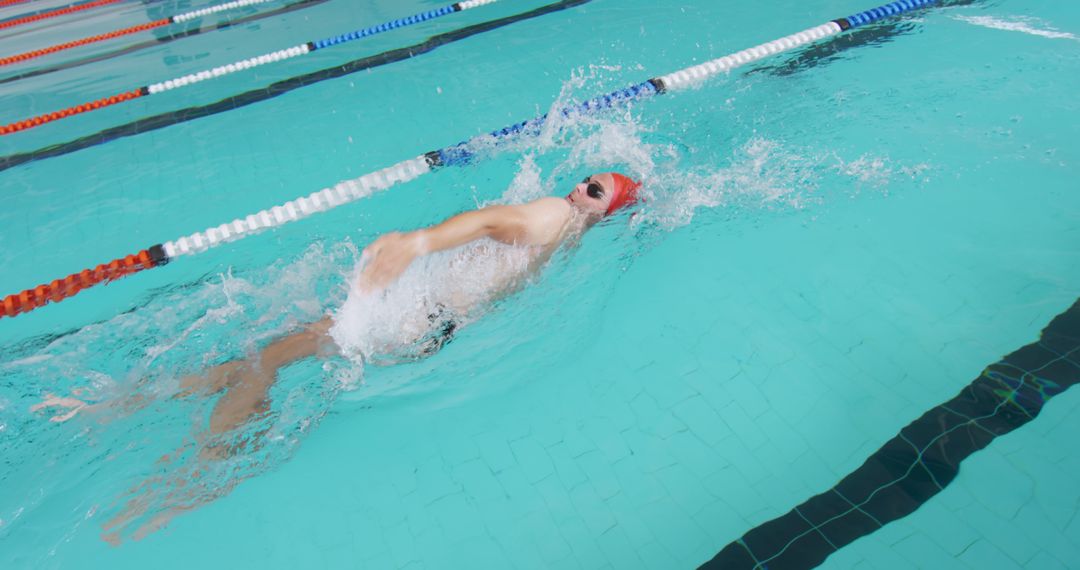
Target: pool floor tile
674 529
654 555
1044 561
569 472
603 476
533 459
582 541
620 551
921 552
592 509
982 554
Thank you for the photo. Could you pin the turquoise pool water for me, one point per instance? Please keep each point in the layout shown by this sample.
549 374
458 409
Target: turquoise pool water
836 241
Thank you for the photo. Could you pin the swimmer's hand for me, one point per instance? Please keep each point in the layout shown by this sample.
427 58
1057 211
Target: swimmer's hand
388 257
65 408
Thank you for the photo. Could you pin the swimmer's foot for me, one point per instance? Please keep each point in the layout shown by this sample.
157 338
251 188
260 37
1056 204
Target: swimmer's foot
111 530
158 522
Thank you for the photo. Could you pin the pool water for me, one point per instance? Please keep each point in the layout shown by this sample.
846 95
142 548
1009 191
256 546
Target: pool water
836 241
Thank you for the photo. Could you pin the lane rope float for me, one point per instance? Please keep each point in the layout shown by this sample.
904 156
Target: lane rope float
281 87
158 41
280 55
74 8
179 18
4 3
455 155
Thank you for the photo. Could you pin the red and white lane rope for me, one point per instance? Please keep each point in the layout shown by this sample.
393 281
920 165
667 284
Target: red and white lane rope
74 8
18 58
249 63
161 254
214 10
61 289
455 155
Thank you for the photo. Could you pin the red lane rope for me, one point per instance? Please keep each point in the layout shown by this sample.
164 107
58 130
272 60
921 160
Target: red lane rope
50 117
84 41
55 13
11 2
69 286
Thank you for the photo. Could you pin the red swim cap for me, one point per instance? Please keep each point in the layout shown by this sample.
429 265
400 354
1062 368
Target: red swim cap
625 192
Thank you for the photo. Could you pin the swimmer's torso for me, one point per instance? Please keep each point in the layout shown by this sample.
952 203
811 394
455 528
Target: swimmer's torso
456 284
487 270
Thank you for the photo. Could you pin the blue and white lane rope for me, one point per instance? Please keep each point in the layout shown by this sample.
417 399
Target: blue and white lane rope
280 55
304 49
462 153
455 155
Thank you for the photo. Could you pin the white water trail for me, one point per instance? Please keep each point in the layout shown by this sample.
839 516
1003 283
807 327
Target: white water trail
1023 25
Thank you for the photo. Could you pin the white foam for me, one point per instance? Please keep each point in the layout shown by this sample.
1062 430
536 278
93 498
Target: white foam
1019 24
760 174
867 169
383 327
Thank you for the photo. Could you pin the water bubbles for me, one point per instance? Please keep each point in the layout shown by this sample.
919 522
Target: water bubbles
868 170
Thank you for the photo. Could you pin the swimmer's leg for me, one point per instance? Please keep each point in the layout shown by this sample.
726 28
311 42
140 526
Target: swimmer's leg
246 385
279 353
248 382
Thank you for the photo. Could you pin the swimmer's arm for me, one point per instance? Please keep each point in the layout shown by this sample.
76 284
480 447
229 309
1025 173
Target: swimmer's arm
392 253
506 224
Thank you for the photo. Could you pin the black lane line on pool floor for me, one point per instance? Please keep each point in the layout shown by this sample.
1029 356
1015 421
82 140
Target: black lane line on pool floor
280 88
919 462
161 40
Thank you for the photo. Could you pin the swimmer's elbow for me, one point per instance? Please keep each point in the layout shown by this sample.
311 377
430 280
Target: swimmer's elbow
505 224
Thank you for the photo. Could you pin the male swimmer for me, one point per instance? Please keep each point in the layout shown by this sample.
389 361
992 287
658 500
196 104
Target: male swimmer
533 231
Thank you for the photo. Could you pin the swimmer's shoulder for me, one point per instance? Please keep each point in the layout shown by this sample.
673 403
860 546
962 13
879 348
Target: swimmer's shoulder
549 205
546 219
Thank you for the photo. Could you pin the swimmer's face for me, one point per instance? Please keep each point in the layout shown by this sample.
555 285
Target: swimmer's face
593 195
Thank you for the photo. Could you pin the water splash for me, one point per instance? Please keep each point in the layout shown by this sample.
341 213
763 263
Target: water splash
131 365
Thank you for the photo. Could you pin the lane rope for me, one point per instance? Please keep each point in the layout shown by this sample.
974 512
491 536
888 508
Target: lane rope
280 55
281 87
179 18
455 155
158 41
74 8
4 3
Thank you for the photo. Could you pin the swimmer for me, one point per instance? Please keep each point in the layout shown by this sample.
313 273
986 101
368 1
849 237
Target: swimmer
535 229
538 227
